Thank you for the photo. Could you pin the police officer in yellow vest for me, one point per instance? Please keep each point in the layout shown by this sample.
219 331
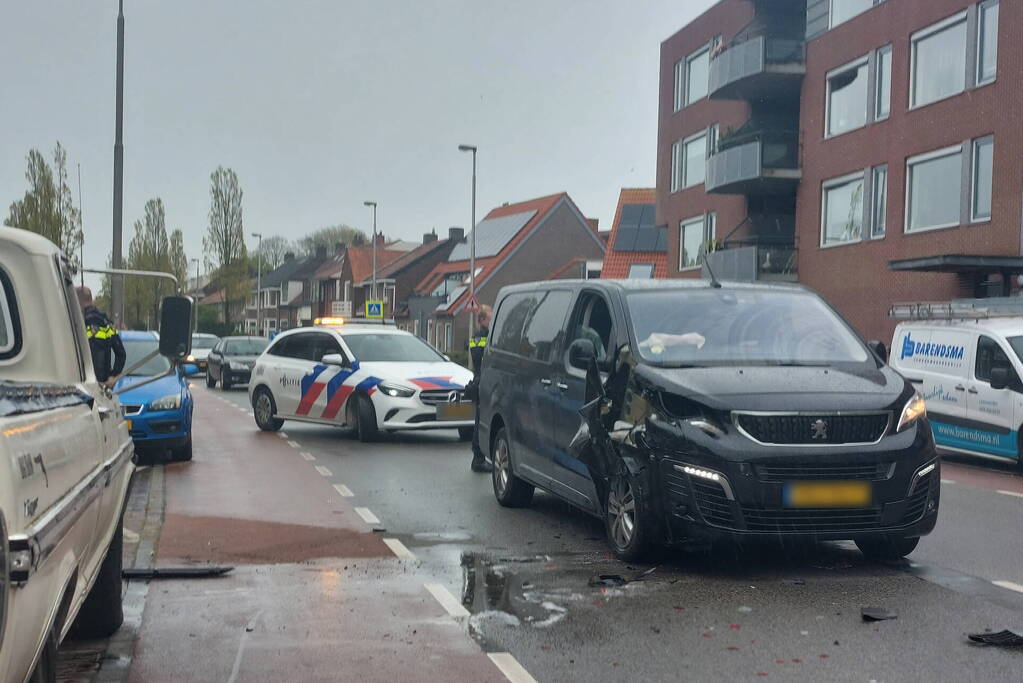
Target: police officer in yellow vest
103 340
477 345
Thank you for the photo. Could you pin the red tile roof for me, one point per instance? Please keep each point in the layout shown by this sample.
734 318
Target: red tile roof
617 263
361 259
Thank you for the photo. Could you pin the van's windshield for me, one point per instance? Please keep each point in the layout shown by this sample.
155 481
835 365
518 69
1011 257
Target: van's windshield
1017 345
729 327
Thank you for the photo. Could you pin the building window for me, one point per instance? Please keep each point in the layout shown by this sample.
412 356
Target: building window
641 271
713 134
844 10
697 75
694 160
695 235
878 201
987 42
847 98
676 166
933 189
680 82
842 213
939 61
447 337
415 327
883 83
983 156
429 332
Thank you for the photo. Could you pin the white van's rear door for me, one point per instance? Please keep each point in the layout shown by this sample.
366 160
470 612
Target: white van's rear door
992 421
937 361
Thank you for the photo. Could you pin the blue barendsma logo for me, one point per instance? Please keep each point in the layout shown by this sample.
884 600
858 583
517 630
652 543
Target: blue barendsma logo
911 348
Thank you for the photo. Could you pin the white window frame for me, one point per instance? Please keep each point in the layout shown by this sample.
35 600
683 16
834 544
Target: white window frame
676 165
923 34
874 186
854 64
415 327
703 220
680 84
883 50
651 266
827 185
978 77
348 290
688 62
831 14
685 157
974 148
448 339
920 158
713 137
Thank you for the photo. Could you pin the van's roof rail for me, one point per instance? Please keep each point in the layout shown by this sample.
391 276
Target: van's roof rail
959 309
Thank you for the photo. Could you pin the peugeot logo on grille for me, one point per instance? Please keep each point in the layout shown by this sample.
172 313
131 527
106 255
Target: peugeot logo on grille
454 397
819 429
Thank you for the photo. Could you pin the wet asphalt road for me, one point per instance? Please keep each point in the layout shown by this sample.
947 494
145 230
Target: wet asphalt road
783 614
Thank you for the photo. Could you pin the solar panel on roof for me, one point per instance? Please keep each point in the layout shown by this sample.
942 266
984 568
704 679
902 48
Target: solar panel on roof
492 235
662 239
631 215
626 240
647 218
646 238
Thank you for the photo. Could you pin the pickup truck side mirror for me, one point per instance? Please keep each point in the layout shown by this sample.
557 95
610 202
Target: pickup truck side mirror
176 327
580 352
335 359
1001 377
879 349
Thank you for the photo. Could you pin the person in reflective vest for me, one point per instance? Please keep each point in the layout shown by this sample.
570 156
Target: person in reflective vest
104 340
477 345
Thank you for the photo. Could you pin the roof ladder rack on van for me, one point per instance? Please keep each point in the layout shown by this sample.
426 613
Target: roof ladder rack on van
959 309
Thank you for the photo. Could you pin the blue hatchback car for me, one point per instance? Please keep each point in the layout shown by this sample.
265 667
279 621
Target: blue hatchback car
159 414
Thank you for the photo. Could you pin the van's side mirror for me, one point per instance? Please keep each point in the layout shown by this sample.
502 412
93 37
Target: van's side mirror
1001 377
334 359
176 327
879 349
580 353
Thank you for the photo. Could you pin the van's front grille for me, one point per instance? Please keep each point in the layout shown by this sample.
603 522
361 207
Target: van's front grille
846 471
712 503
812 429
822 520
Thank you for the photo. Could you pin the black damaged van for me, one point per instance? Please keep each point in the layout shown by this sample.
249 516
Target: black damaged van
682 411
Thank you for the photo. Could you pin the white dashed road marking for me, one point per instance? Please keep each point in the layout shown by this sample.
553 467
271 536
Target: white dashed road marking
283 435
399 549
324 471
294 444
308 456
1011 493
446 599
510 667
1010 585
947 481
367 516
344 491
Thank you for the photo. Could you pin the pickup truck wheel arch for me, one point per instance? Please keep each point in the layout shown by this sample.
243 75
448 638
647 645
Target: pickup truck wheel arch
101 613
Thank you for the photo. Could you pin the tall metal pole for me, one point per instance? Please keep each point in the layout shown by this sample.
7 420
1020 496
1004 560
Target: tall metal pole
81 229
117 293
373 291
472 240
259 283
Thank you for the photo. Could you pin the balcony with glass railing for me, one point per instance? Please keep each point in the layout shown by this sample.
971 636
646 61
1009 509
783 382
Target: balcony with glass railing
758 68
759 158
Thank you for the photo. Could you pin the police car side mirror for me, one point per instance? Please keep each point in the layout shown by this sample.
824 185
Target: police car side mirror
580 353
334 359
176 327
1000 377
879 349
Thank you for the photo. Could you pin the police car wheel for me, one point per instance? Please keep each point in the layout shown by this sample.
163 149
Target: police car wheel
362 416
263 409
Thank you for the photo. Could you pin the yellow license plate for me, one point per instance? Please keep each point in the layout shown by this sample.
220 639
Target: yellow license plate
129 424
838 494
450 412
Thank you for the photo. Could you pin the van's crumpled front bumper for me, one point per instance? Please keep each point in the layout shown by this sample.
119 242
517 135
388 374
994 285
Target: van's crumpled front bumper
738 489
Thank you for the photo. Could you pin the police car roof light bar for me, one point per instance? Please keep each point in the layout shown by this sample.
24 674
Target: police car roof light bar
958 309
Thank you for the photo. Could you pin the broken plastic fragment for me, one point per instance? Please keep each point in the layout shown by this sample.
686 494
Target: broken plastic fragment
1000 639
607 580
877 614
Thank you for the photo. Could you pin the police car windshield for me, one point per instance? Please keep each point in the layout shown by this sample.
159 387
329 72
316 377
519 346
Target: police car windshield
398 348
137 349
740 327
1017 345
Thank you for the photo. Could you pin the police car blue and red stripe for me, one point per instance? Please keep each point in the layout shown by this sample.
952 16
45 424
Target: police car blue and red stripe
369 377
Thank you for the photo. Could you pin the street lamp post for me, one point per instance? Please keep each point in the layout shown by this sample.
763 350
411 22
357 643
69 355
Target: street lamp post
117 283
472 239
259 283
373 292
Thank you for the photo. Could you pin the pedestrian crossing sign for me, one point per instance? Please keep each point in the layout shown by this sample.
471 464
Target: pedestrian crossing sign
374 309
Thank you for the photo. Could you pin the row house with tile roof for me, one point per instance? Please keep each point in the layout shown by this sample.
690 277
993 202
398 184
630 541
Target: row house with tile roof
339 279
521 242
637 246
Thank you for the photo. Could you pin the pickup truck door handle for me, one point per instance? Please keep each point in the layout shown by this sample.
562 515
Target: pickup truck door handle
562 386
960 387
915 381
546 382
104 412
972 390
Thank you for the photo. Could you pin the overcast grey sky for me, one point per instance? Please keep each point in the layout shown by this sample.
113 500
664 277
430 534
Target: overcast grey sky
321 104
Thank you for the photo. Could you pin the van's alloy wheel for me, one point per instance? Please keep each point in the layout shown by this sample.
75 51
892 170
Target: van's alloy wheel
509 490
630 526
621 512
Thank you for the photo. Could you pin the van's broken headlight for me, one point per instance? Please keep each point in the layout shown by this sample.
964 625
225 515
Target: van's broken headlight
913 411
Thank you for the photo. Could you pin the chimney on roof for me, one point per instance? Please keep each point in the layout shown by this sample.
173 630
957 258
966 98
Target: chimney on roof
456 234
429 237
289 256
339 247
594 224
321 252
380 240
505 204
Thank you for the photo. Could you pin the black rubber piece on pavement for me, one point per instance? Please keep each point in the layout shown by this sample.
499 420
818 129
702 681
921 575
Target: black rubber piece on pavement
175 573
1000 639
877 614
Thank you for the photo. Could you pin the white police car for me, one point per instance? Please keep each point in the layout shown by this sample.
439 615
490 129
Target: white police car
369 377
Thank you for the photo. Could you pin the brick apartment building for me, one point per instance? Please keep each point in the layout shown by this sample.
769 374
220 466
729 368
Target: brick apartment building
871 148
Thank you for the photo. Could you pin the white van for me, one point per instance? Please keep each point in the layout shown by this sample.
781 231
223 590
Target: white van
965 360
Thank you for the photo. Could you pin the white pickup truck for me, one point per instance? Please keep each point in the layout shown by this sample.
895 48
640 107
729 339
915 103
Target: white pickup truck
65 467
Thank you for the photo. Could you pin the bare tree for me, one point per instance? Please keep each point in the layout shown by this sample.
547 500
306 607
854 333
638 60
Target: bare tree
272 251
224 243
330 236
